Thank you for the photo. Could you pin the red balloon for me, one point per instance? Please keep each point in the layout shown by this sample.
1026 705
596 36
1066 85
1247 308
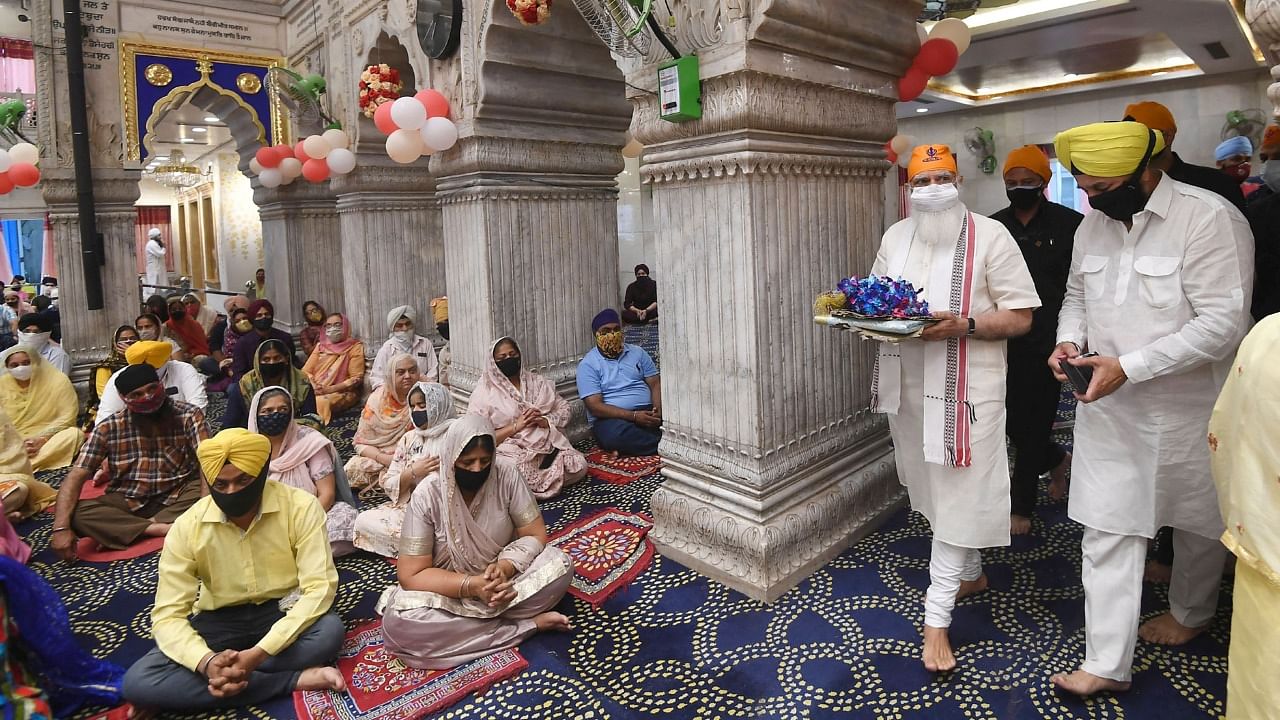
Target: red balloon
267 157
315 170
435 103
6 185
24 174
382 118
889 153
301 154
283 151
937 57
912 84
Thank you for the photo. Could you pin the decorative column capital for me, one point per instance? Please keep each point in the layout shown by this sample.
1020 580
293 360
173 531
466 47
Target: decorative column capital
111 187
521 160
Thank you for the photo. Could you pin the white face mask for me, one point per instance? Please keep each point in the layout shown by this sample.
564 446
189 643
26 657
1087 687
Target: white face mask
1271 174
148 334
935 198
36 340
403 338
21 372
334 334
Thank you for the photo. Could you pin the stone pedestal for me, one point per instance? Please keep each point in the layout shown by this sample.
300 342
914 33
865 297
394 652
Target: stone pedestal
303 250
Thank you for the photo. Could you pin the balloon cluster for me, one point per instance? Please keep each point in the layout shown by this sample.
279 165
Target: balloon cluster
18 167
881 296
940 50
898 149
416 126
314 158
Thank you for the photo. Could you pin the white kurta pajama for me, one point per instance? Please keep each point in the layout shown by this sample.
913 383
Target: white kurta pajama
156 273
1170 299
967 505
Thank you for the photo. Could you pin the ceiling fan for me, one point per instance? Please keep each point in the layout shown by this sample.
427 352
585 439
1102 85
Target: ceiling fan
939 9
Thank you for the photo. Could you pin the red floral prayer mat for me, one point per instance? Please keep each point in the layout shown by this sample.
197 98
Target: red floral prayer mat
608 550
88 549
622 469
380 687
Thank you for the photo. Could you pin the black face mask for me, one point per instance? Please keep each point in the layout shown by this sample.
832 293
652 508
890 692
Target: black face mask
263 323
443 329
239 504
509 366
271 370
469 480
1024 198
420 418
273 424
1122 202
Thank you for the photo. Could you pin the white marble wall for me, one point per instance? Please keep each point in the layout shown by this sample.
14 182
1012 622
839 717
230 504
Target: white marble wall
302 245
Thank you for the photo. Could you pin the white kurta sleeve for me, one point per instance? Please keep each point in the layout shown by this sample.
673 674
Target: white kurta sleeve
1073 321
378 373
426 357
1217 280
154 249
189 382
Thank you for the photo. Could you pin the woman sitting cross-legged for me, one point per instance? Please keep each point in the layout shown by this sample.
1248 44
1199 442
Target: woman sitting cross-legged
383 422
271 366
475 572
336 368
304 458
417 457
43 405
22 493
528 416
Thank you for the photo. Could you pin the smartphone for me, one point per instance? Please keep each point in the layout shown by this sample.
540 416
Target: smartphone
1080 377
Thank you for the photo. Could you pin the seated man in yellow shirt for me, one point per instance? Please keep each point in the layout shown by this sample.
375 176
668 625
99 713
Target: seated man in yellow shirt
257 555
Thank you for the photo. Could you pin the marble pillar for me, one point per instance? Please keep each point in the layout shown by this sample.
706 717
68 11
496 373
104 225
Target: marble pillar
302 246
392 245
1264 20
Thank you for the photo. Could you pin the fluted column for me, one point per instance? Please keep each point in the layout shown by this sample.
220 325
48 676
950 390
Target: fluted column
303 250
1264 21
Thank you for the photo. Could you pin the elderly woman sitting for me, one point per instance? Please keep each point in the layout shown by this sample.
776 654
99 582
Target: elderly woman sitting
336 368
475 572
43 406
529 416
417 458
385 419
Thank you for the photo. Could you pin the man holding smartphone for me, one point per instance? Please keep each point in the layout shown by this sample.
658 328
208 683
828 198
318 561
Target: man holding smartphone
1159 288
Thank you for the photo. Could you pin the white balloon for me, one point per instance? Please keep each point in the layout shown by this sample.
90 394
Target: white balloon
288 179
316 147
255 167
6 161
439 134
341 161
408 113
902 144
337 138
404 146
270 177
290 168
25 153
955 30
924 34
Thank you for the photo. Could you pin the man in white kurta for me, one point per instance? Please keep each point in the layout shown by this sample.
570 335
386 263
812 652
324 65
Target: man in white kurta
156 274
1160 283
945 393
403 339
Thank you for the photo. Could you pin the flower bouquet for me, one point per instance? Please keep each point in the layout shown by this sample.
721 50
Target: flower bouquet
878 307
530 12
378 84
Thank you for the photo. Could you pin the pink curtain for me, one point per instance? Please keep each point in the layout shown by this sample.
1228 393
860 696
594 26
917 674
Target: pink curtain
49 258
153 216
17 66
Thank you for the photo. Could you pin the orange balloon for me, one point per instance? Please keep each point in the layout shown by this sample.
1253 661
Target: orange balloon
6 185
437 105
24 174
299 153
315 170
382 119
267 157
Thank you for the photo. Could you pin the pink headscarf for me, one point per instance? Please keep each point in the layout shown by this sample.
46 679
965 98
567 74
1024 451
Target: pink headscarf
298 446
340 347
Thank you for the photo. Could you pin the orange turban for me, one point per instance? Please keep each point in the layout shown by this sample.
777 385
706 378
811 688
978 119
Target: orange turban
1271 137
931 157
1153 115
1030 157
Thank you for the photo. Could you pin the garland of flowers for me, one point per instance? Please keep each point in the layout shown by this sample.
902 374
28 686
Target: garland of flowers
378 84
530 12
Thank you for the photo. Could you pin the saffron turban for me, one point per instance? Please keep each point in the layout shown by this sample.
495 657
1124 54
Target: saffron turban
1238 145
931 157
1030 157
1106 149
1271 137
1153 115
152 352
608 316
247 451
396 313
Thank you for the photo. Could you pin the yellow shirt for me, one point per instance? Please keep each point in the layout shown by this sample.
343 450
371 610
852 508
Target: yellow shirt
285 548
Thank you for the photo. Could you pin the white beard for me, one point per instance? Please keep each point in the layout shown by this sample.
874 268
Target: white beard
941 226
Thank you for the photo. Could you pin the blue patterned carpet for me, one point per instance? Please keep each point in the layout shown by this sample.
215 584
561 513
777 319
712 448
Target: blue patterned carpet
842 644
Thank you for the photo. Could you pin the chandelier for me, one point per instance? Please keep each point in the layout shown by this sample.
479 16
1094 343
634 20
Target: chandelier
177 173
939 9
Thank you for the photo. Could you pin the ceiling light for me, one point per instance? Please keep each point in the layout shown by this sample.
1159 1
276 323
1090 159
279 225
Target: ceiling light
211 118
983 90
1158 74
1070 76
922 110
176 173
187 140
1027 8
199 129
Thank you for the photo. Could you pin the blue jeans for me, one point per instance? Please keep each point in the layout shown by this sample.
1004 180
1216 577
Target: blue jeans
627 437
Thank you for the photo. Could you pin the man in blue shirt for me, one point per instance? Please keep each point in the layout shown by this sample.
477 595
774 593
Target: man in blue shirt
620 386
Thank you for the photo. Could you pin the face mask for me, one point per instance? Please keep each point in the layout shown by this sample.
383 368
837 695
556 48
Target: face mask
1120 203
1024 198
273 424
243 326
471 480
1271 174
239 504
148 334
403 338
271 370
509 366
123 346
263 323
420 418
443 329
147 405
1240 172
935 198
334 334
177 314
610 344
12 302
314 317
21 372
36 340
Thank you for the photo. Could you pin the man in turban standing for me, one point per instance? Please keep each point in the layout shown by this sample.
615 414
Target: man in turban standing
1044 232
252 562
1159 289
945 393
156 274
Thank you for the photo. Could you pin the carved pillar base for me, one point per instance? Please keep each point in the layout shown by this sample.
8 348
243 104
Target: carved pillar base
302 247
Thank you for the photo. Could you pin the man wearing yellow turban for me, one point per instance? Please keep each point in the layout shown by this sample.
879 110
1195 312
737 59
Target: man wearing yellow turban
1158 118
1044 232
951 455
258 554
1158 292
181 380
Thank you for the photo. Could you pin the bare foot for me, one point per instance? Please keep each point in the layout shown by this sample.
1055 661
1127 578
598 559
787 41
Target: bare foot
1058 479
972 587
552 621
157 529
1165 630
137 713
321 678
937 654
1019 525
1157 572
1085 684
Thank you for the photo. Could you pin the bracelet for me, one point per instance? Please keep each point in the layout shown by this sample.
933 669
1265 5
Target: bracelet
462 591
58 529
634 415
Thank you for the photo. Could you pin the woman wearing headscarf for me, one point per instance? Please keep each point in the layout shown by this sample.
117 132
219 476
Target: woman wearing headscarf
529 417
206 316
23 495
312 333
43 405
417 458
336 368
151 327
475 572
262 315
385 419
271 367
640 304
190 337
401 323
123 338
305 459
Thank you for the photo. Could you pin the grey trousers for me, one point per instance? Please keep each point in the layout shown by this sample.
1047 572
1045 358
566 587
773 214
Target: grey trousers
157 683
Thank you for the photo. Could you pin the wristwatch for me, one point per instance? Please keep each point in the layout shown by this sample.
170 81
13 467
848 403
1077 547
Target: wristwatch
973 326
